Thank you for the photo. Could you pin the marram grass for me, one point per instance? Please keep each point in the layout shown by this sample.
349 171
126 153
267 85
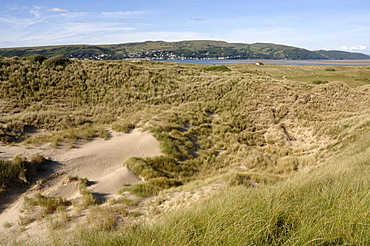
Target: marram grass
250 122
328 205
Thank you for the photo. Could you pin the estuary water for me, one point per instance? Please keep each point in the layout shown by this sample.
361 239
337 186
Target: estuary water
275 62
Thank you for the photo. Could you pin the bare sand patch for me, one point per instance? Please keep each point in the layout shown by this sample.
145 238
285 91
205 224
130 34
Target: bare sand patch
100 161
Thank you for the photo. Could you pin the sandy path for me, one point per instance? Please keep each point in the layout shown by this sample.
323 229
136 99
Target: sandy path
100 161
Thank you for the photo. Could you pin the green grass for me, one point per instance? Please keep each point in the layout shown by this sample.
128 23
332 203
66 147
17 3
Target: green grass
88 199
125 201
221 68
48 204
122 126
141 189
351 81
353 76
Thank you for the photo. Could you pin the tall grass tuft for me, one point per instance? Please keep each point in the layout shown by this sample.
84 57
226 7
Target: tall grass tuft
49 204
141 189
12 172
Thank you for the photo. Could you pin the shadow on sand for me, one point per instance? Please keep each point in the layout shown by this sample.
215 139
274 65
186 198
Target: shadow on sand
12 193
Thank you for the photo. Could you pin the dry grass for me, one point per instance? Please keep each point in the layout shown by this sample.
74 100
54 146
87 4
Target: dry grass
88 199
248 126
20 171
48 204
327 206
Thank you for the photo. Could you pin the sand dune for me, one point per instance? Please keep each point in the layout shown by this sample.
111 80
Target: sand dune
110 184
100 161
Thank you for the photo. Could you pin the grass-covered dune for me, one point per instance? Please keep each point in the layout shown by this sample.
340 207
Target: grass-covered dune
328 205
290 143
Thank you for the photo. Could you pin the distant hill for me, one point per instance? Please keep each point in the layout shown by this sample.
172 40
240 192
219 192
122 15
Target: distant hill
202 49
338 55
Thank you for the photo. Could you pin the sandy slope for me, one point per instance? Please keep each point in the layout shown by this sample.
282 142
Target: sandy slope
100 161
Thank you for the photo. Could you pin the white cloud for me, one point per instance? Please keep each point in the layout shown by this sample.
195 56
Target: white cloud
359 47
36 11
197 19
167 36
124 14
58 10
78 28
21 23
93 34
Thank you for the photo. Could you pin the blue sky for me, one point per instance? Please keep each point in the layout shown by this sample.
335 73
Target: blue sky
311 24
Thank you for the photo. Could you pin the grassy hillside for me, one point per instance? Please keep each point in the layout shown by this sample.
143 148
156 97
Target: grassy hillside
340 55
326 206
79 51
179 50
293 152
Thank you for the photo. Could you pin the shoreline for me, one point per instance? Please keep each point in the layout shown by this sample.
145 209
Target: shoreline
273 62
327 62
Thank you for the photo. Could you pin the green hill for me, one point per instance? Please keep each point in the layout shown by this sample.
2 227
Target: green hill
181 50
338 55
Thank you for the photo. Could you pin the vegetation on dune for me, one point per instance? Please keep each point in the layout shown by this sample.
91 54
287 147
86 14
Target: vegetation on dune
326 206
296 136
20 171
205 121
48 204
353 76
218 69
